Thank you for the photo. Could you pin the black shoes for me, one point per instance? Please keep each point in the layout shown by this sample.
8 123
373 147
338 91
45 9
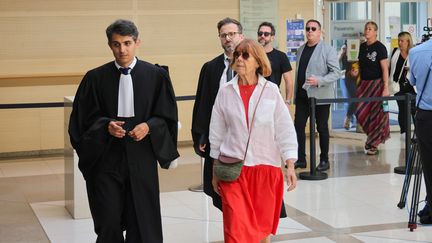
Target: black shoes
424 211
300 164
427 219
323 166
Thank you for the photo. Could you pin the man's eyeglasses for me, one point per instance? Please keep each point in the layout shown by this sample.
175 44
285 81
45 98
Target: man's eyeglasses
260 33
244 55
311 28
229 34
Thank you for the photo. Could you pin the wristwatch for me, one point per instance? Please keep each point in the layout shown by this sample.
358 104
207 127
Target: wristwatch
288 102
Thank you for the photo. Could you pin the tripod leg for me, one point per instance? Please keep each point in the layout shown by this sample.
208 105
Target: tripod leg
407 180
412 224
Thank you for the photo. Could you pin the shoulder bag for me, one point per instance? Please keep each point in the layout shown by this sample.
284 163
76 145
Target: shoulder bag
228 168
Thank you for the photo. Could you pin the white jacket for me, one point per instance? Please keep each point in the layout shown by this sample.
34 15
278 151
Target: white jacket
273 135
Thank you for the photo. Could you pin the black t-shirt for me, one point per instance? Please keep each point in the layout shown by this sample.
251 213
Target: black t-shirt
369 59
301 75
279 65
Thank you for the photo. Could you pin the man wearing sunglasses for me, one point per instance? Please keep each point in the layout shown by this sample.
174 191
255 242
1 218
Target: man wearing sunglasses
280 64
213 74
316 71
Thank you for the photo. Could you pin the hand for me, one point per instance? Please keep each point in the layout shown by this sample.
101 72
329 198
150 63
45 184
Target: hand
215 183
139 132
202 147
291 177
115 129
312 81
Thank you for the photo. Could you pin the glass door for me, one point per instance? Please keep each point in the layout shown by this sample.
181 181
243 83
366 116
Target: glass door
344 23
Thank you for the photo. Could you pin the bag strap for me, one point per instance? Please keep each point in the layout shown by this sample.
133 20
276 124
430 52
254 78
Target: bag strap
253 118
402 69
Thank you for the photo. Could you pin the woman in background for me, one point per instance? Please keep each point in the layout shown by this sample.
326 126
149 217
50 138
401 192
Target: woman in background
398 74
251 204
374 83
352 79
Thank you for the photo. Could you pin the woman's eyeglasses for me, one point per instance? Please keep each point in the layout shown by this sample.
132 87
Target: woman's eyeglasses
244 55
311 28
260 33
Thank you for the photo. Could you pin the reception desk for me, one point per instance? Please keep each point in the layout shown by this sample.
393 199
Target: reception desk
75 189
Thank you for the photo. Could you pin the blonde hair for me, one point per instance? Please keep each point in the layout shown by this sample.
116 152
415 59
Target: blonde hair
257 51
406 36
373 24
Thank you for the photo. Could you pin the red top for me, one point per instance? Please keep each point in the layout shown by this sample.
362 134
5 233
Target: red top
245 93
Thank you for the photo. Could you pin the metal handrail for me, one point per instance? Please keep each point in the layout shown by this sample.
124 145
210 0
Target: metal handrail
61 104
313 174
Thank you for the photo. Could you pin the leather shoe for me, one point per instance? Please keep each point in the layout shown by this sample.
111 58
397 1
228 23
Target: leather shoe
323 165
424 211
300 164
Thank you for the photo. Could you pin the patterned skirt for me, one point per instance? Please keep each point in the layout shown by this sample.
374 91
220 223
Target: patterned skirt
370 115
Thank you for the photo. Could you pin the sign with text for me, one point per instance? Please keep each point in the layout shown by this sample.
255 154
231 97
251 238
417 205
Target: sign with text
346 29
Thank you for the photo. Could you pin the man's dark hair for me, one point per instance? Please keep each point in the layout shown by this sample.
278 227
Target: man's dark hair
313 21
268 24
122 27
228 20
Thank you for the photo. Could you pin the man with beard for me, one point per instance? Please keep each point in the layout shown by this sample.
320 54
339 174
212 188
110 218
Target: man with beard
280 64
212 75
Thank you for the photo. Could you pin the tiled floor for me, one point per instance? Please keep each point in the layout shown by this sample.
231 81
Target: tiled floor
357 203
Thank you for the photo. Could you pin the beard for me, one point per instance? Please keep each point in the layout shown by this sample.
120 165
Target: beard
229 47
263 42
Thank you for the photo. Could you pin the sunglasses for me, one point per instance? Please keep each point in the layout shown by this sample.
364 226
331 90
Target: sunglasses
260 33
244 55
311 28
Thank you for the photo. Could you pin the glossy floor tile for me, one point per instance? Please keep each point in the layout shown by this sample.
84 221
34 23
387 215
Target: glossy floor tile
357 203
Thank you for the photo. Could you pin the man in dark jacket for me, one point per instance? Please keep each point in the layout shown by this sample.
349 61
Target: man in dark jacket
213 73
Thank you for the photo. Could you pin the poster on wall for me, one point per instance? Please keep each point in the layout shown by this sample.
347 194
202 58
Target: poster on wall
295 37
254 12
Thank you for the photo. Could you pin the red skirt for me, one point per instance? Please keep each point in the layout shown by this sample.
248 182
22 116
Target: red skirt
251 205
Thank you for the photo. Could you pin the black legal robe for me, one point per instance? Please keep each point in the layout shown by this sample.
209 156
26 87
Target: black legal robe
208 87
95 105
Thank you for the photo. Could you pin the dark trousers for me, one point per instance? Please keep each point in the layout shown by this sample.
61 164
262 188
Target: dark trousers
208 187
352 89
117 204
424 138
322 113
402 112
112 207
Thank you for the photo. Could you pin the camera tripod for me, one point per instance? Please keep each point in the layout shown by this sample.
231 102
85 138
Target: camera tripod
413 166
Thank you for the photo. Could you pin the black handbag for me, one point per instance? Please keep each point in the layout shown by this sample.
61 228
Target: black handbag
228 168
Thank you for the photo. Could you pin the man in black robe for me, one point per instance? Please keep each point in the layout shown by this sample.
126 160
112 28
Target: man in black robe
124 120
213 73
